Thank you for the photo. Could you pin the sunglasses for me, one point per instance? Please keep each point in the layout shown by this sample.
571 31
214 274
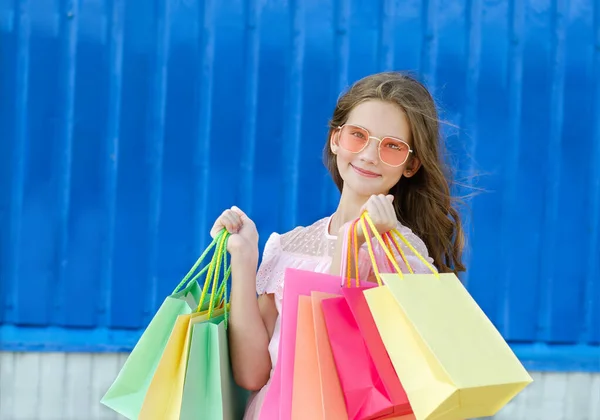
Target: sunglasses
392 151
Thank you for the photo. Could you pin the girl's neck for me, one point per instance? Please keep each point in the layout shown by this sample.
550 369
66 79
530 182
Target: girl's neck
348 209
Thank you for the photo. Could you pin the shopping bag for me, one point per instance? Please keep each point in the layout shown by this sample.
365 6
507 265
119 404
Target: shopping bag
164 396
316 391
397 400
334 406
451 360
370 385
209 391
307 400
127 393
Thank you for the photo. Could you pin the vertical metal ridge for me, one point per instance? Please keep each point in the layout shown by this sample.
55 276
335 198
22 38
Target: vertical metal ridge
156 132
385 47
115 81
514 87
23 28
342 44
204 95
69 17
473 47
291 152
548 241
341 53
591 288
429 52
251 61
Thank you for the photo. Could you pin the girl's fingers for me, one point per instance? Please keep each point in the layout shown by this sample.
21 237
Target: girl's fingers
216 228
236 210
389 206
233 222
228 224
379 205
235 219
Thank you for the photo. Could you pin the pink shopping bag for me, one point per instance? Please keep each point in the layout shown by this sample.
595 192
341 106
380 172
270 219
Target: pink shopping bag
369 382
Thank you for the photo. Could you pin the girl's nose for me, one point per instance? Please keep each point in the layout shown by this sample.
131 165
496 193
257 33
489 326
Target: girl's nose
371 152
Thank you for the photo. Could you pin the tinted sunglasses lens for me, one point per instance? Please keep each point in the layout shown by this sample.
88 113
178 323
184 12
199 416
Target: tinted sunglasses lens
353 138
393 152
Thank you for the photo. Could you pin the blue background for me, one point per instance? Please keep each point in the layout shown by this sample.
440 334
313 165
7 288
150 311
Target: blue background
126 127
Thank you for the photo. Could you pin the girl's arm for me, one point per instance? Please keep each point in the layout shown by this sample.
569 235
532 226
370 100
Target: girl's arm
251 323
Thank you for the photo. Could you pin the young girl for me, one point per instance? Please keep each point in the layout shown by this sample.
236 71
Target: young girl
384 155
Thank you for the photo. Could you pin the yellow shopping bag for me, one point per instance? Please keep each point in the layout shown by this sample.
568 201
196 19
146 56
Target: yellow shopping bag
452 362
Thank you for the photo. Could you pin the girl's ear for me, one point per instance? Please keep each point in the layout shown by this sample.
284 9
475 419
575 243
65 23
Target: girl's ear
412 167
334 141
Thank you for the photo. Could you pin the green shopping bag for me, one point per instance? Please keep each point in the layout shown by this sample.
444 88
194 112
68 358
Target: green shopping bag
127 393
209 391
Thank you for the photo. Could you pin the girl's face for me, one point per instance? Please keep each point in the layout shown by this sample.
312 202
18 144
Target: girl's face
383 160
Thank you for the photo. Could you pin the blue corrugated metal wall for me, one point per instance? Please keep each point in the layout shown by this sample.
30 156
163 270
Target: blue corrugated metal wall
127 126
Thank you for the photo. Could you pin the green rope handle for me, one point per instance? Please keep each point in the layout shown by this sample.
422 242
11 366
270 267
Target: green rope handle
220 297
222 294
220 252
212 270
218 294
186 280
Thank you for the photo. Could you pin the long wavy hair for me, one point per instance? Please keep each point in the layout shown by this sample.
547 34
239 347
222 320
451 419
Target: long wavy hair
423 202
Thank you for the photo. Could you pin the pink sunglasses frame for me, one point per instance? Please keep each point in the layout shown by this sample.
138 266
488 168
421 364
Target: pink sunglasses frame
339 129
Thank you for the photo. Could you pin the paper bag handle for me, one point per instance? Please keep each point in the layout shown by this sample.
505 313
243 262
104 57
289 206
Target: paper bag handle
412 249
350 244
188 277
217 295
366 218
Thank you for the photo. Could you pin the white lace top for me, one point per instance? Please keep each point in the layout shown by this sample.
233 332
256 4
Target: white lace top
311 248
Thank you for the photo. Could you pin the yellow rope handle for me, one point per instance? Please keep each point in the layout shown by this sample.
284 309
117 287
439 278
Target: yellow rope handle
365 217
414 251
385 245
398 248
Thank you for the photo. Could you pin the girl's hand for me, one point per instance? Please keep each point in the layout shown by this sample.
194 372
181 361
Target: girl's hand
244 236
382 213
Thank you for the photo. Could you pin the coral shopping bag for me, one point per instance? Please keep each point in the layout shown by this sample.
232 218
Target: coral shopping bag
451 360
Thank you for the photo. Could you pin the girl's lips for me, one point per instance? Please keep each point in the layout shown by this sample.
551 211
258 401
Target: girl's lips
365 173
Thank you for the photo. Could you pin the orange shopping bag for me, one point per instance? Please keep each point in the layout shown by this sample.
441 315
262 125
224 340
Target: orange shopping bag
307 401
316 392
